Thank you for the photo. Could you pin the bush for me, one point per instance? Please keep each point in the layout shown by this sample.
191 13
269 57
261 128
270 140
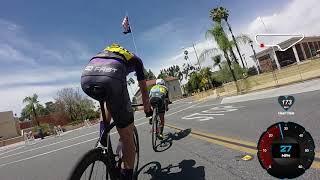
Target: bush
225 76
74 123
216 83
46 130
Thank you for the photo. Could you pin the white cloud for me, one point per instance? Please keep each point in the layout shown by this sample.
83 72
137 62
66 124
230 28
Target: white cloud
295 18
160 31
11 98
10 54
178 59
29 67
47 75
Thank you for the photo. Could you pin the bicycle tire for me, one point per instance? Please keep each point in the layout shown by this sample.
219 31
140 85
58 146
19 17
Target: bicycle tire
136 142
90 158
154 129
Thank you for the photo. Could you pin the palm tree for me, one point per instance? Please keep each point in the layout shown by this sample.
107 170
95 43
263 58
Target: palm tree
218 34
217 61
33 103
219 13
245 39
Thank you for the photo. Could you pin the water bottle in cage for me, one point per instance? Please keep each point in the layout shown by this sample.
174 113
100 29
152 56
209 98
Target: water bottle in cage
102 128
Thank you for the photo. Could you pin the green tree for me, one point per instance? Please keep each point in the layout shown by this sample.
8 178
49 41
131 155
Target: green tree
50 107
195 81
149 74
224 74
162 75
173 71
218 34
32 105
218 14
216 61
199 80
206 80
187 70
74 104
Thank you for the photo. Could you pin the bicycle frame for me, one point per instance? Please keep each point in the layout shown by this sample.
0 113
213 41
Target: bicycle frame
105 128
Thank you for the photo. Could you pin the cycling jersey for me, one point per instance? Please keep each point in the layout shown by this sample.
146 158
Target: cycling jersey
158 95
108 70
159 89
132 62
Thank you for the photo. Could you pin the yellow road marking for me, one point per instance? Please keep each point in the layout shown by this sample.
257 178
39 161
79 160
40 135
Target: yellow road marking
248 143
219 141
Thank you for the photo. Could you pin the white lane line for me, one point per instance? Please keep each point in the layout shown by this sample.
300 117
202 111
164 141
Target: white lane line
21 146
1 165
183 109
208 105
166 115
52 151
48 145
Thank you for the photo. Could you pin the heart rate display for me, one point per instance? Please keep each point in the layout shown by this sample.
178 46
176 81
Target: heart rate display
286 102
286 150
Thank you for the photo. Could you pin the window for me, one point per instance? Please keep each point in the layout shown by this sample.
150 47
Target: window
299 51
174 88
312 49
306 50
316 45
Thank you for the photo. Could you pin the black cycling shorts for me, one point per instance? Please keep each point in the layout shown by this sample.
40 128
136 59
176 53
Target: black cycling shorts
111 76
158 101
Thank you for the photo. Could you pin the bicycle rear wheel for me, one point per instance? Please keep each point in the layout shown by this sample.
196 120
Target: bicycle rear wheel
155 127
93 165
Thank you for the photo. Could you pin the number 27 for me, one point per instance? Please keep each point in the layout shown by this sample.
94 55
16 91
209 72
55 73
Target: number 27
285 148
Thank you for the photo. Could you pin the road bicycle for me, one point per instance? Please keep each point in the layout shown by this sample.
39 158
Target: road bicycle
103 156
156 103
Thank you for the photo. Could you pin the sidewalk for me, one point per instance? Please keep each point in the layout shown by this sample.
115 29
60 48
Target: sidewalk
11 146
302 87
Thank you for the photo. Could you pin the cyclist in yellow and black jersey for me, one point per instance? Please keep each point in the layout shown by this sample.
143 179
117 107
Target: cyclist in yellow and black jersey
109 69
159 95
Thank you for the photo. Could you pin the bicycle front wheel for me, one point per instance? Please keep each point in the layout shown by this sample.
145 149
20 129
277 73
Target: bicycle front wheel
94 165
136 143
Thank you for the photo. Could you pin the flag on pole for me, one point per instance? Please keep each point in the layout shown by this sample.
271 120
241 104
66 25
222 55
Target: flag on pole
126 25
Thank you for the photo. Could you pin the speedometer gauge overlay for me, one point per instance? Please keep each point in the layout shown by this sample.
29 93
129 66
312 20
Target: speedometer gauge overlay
286 150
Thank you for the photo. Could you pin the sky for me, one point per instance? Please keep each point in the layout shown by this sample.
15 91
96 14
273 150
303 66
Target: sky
44 45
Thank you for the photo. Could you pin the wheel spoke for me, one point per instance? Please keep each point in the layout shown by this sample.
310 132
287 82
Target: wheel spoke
92 166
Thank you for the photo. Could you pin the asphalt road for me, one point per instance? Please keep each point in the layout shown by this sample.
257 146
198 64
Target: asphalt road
203 150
